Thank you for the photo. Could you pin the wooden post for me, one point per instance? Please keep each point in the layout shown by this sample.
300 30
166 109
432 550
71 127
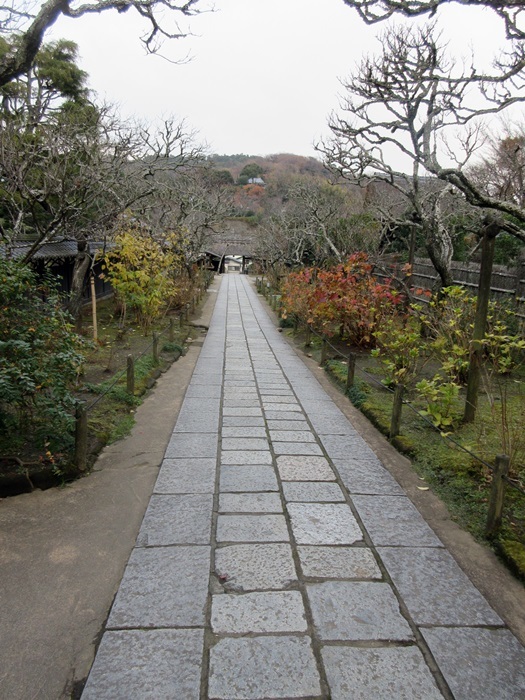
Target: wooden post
351 371
181 319
295 323
130 375
395 423
490 232
497 493
324 352
187 312
155 347
81 434
94 307
171 332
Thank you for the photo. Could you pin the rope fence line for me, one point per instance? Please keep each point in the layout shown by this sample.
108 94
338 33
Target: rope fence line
499 470
82 410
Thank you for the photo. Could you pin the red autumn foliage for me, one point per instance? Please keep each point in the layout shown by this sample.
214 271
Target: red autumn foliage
347 299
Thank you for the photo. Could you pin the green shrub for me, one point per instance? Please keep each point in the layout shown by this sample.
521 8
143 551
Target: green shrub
40 360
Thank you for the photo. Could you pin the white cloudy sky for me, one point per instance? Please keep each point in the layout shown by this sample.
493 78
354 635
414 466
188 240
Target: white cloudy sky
264 73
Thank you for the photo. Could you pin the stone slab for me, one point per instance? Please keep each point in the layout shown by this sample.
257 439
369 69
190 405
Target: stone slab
323 523
241 432
243 421
343 446
300 436
252 528
248 567
372 674
198 422
186 476
176 519
367 476
257 477
296 448
434 588
262 612
244 443
149 664
246 457
271 399
360 610
280 667
163 587
395 521
338 562
246 411
276 392
283 415
250 503
284 425
183 445
241 402
305 468
479 663
199 391
281 407
311 491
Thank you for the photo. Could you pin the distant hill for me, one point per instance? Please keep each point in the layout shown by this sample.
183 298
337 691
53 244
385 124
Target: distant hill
273 165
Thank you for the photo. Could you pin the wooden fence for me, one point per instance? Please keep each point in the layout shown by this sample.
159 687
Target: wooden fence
507 282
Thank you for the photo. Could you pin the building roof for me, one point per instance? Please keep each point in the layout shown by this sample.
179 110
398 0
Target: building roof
66 248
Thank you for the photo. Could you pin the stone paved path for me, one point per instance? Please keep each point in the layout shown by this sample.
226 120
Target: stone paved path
279 559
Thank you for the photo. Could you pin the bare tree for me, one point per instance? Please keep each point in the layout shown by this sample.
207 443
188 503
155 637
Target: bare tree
31 21
373 11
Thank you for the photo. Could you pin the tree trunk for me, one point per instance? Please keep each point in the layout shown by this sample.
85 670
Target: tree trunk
490 231
440 249
80 269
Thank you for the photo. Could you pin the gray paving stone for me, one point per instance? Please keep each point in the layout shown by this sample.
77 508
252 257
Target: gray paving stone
367 476
176 520
252 528
241 432
271 399
283 415
242 444
248 567
199 391
285 425
373 674
323 523
163 587
360 610
326 424
304 469
147 664
244 412
311 491
281 407
344 446
276 392
292 436
186 476
394 520
479 663
195 421
246 457
338 562
206 379
239 479
250 503
241 402
434 588
192 445
296 448
263 667
241 382
265 612
242 421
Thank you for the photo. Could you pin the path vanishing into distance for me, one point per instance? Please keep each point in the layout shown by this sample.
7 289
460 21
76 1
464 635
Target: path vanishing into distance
278 558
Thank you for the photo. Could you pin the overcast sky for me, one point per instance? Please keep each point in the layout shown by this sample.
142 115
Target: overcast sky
263 76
